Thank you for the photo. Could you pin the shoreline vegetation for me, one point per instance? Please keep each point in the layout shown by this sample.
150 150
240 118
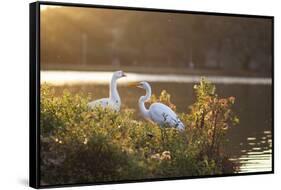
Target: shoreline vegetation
79 145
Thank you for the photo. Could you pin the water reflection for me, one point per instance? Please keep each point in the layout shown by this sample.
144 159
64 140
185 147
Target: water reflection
79 77
256 153
250 143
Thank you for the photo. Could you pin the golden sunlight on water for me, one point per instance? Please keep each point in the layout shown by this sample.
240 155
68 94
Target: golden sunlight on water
83 77
256 154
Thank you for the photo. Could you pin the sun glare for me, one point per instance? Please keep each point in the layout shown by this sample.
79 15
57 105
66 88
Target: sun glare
46 7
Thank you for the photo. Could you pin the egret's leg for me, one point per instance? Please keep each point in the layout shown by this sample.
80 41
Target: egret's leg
164 136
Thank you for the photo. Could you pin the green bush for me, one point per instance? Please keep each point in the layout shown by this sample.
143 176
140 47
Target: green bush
79 145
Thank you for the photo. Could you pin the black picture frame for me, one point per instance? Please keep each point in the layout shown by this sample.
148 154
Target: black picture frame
34 87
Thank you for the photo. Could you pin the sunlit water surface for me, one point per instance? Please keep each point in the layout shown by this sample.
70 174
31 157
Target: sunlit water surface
249 143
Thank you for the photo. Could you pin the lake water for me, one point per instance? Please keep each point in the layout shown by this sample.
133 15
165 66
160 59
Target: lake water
250 143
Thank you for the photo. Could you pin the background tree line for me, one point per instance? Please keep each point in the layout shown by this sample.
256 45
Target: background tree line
91 38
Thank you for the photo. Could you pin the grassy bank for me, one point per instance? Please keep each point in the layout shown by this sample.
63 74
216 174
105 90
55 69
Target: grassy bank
79 145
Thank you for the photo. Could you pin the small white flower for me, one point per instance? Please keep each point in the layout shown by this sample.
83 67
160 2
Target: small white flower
85 141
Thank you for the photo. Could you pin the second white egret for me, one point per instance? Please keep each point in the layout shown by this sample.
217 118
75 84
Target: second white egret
114 101
158 113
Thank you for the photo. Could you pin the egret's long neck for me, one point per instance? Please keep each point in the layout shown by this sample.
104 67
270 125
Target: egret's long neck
113 93
142 100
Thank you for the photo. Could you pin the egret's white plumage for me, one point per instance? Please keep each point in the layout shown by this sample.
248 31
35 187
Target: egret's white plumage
158 113
114 101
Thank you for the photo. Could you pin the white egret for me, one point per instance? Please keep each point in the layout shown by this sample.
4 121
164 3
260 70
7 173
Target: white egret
114 101
158 113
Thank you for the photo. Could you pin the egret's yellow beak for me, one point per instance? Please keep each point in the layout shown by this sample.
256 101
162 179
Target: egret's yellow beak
133 84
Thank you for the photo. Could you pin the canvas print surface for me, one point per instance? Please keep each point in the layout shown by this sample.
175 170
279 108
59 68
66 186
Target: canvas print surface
142 95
